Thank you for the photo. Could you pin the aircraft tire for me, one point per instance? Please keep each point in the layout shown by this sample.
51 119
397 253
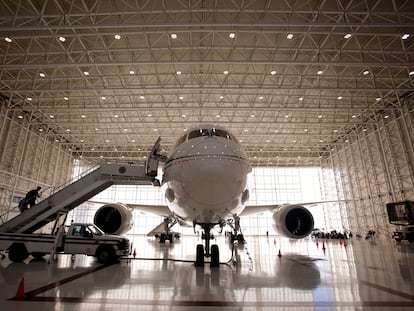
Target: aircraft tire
18 252
215 256
199 256
162 238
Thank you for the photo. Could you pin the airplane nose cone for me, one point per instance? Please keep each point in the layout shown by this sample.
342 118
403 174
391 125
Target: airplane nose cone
210 181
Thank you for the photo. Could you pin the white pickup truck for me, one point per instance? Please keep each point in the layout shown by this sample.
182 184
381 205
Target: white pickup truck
78 238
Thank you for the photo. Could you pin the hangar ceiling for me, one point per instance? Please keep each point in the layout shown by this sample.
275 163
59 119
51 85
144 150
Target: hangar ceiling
290 79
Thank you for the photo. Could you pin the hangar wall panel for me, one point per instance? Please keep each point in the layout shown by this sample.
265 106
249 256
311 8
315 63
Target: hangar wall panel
28 159
374 169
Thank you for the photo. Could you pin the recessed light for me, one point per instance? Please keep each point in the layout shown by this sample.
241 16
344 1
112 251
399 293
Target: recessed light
173 36
96 129
142 97
320 72
183 115
103 97
62 39
149 115
67 130
133 141
178 72
51 116
42 75
8 39
232 35
66 98
273 72
131 72
365 129
117 37
107 140
268 140
320 116
300 98
221 97
40 130
290 36
261 97
405 36
287 116
83 116
346 140
339 97
86 73
365 72
252 115
20 116
155 130
116 116
411 73
226 72
180 97
57 140
246 130
347 36
335 131
92 149
29 99
353 116
386 116
81 140
378 99
218 116
305 130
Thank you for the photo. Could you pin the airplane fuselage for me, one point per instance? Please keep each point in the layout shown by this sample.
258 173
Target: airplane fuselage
205 176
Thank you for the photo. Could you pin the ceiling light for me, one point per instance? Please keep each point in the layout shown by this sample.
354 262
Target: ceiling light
246 130
181 97
29 99
116 116
386 116
405 36
232 35
183 115
353 116
320 116
57 140
8 39
103 97
305 130
365 129
335 131
83 116
62 39
67 130
411 73
142 97
300 98
131 72
86 73
267 140
42 75
178 72
107 140
40 130
221 97
20 116
261 97
273 72
96 129
252 115
287 116
226 72
133 141
290 36
155 130
66 98
173 36
117 37
149 115
365 72
218 116
339 97
346 140
92 149
320 72
378 99
51 116
347 36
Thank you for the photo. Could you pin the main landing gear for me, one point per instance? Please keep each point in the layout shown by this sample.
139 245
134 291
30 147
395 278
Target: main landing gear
205 251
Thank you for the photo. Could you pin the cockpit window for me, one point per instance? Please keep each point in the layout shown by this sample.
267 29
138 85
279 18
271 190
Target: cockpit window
220 133
198 133
181 140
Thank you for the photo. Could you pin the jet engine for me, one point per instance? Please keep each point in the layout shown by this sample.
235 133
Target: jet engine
114 218
293 221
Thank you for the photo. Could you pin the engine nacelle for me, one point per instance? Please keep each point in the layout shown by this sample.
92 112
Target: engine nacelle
293 221
114 218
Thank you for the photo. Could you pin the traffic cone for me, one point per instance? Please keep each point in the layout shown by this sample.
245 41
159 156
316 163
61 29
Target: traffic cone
345 243
323 246
317 243
134 253
340 242
20 289
279 254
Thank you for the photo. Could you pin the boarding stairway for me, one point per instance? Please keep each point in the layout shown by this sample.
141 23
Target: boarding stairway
67 198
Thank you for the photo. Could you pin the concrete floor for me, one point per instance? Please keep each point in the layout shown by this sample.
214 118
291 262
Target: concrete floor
364 275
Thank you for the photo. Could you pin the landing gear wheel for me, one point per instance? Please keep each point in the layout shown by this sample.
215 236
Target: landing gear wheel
106 255
162 238
199 256
18 252
215 256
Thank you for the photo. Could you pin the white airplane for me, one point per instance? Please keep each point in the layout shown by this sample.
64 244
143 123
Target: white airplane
205 185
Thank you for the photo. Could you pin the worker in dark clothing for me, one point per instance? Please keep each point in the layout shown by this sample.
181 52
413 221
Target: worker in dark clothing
32 195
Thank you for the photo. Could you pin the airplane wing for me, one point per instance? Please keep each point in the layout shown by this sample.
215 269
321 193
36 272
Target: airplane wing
160 210
257 209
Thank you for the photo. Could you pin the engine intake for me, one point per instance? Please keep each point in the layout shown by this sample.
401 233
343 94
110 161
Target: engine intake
293 221
114 218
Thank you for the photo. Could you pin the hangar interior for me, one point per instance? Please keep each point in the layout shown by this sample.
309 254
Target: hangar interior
313 85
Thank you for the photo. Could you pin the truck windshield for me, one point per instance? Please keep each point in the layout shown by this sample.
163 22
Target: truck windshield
95 230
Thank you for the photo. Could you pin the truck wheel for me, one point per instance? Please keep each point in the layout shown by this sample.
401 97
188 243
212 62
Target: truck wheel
105 255
18 252
38 255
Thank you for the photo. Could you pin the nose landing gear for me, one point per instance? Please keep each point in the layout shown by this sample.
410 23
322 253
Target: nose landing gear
205 251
